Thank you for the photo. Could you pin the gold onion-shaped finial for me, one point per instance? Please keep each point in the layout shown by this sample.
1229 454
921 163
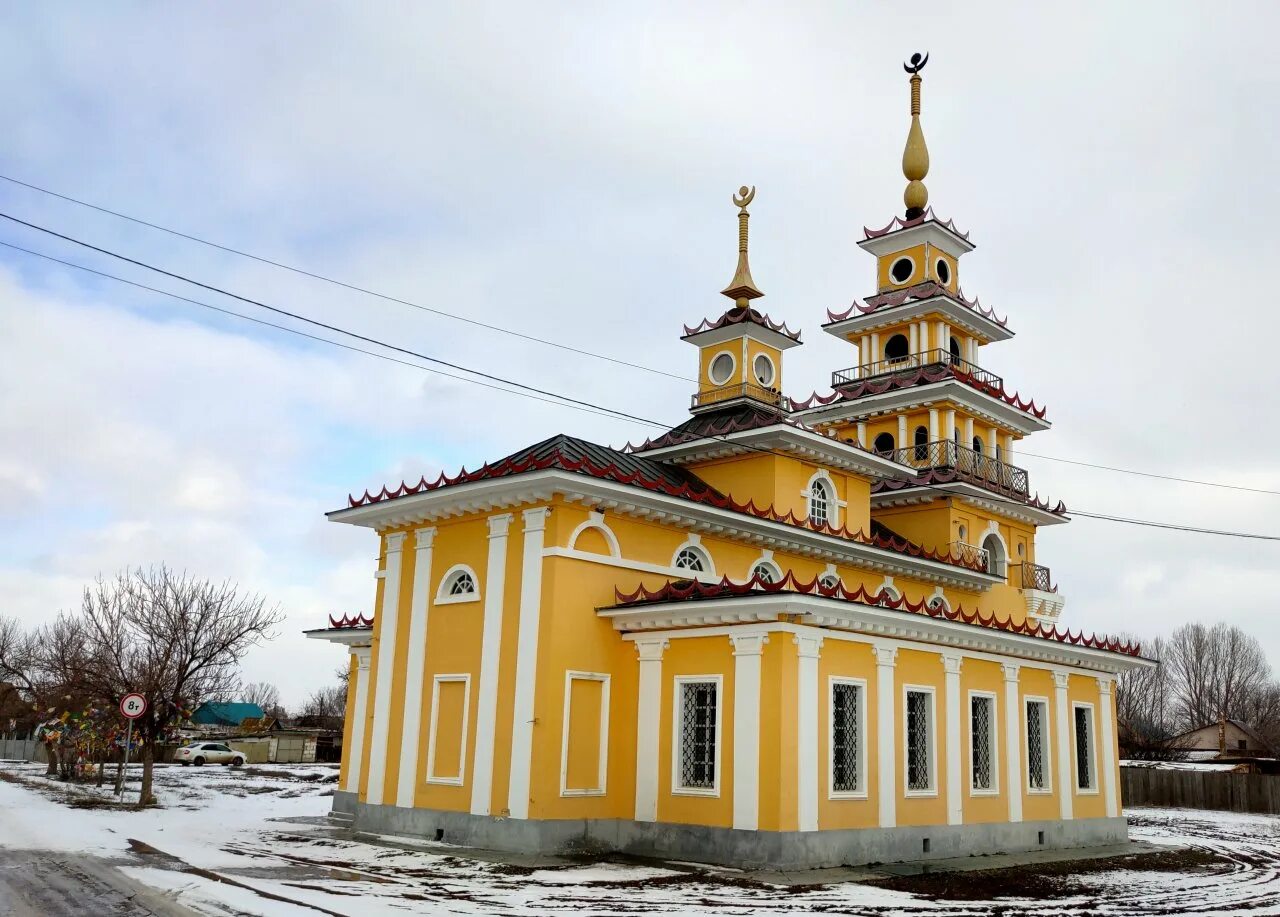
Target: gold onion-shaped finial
915 157
742 289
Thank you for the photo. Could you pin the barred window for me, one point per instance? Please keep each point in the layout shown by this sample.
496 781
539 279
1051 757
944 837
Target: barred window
819 503
1085 777
919 741
846 737
698 735
982 734
1037 745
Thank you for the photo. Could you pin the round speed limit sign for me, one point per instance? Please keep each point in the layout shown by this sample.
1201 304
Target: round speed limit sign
133 706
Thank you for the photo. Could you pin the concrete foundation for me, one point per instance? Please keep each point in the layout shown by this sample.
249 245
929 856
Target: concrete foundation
782 850
345 803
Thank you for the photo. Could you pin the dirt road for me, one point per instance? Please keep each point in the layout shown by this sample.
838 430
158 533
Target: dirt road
41 883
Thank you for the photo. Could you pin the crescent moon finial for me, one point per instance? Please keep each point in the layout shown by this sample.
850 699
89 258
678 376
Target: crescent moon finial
917 62
744 196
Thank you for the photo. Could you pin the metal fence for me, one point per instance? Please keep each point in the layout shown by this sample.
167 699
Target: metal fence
1226 791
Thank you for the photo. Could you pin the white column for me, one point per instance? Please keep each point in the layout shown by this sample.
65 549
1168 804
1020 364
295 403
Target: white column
1013 740
915 338
648 718
1107 746
1062 722
863 350
862 434
387 626
411 735
535 521
902 431
355 755
747 650
992 441
933 425
968 433
886 740
940 329
875 356
949 425
808 771
495 591
973 351
955 801
1008 448
924 334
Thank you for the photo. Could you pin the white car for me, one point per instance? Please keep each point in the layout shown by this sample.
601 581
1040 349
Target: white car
199 753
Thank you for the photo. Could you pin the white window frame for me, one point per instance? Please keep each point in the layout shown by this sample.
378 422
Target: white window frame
733 368
932 790
833 578
993 743
601 787
1092 738
834 503
1046 745
677 750
861 685
461 779
766 561
697 548
773 370
446 582
903 283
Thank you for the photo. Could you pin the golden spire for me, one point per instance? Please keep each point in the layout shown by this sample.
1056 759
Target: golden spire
742 289
915 158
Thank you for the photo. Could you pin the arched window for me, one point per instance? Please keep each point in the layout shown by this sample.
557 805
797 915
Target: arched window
888 597
820 499
922 444
829 581
955 351
766 572
459 584
897 349
996 559
883 443
692 558
938 603
977 444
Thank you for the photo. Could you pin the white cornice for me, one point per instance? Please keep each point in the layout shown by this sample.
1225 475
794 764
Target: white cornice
349 636
970 494
931 231
539 486
668 618
979 403
731 332
783 437
956 314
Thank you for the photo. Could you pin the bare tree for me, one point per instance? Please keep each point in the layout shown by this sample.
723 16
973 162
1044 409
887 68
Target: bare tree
265 695
326 703
170 637
1214 672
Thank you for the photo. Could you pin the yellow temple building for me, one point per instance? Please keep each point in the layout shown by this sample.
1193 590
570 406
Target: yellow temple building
787 633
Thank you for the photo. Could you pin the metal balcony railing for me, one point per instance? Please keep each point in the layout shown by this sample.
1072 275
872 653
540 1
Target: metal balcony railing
1031 576
969 553
911 362
969 464
739 390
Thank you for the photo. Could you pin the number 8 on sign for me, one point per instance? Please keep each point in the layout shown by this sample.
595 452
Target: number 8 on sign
133 706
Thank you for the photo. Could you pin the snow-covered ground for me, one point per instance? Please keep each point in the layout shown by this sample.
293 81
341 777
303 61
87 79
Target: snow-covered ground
254 841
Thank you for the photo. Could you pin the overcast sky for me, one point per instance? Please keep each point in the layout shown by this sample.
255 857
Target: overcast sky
566 172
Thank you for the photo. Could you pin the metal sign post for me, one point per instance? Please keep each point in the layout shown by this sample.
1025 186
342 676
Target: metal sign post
132 706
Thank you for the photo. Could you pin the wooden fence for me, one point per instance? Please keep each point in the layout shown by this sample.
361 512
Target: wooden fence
1149 786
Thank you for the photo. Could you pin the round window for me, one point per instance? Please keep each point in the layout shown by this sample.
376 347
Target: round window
721 368
764 370
943 270
902 269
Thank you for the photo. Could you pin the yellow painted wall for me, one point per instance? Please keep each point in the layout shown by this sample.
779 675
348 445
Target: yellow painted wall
348 719
981 675
850 660
1038 806
451 725
921 669
1086 804
885 282
376 642
582 744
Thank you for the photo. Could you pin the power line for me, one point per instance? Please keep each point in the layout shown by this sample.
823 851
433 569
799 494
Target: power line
567 401
355 288
388 298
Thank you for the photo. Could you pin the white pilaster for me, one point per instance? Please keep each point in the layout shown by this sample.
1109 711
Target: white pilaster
355 754
949 425
747 650
808 772
924 334
387 627
968 432
1013 740
490 653
993 440
411 735
875 356
648 718
886 741
955 800
864 349
535 521
915 338
862 434
1107 745
933 425
973 351
903 442
940 332
1061 717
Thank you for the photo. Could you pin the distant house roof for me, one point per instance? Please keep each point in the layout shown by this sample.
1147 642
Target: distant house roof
1238 724
216 713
